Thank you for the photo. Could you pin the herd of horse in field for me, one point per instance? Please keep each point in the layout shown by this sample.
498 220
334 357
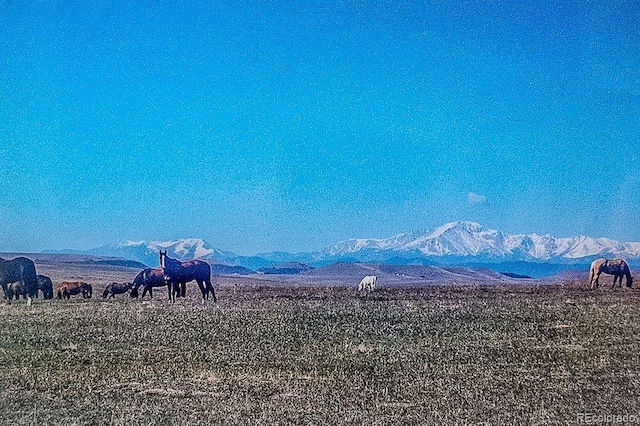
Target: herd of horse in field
18 277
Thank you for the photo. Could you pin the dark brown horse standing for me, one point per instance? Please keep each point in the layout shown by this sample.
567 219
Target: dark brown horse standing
22 271
190 270
616 267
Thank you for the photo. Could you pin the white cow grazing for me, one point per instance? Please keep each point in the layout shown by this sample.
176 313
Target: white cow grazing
368 283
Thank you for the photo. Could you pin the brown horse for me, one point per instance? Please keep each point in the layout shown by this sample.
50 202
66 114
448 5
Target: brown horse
154 277
116 288
71 288
616 267
44 284
190 270
22 271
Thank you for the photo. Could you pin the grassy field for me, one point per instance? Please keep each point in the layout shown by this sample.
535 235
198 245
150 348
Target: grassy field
310 355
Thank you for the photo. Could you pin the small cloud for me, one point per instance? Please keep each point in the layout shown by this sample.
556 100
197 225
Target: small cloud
473 198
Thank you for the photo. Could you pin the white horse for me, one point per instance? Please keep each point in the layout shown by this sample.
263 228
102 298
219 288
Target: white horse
368 283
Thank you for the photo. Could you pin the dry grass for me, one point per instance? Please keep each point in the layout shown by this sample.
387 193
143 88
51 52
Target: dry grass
311 355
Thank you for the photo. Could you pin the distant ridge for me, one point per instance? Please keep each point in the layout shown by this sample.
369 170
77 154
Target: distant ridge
456 243
472 240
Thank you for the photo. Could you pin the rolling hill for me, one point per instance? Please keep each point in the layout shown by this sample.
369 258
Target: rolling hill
457 243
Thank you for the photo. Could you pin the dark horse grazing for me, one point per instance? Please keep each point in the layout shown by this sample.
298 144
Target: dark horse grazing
190 270
116 288
153 277
22 271
44 284
616 267
71 288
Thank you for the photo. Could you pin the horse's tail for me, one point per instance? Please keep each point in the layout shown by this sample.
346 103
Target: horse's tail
627 273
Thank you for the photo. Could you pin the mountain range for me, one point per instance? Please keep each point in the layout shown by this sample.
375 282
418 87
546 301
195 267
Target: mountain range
456 243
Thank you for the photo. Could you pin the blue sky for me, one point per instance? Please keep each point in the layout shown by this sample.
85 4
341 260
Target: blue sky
282 125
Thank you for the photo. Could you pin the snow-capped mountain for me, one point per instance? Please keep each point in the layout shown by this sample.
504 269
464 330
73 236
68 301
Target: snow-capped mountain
148 252
472 240
461 243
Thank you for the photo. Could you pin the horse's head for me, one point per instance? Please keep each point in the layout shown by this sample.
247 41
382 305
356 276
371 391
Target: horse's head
163 257
48 293
629 281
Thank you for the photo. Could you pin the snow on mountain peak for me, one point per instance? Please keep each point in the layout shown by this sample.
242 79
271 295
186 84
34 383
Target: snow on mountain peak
465 226
464 238
183 248
147 251
454 240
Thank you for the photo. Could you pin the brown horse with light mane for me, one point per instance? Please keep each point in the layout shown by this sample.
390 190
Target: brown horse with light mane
616 267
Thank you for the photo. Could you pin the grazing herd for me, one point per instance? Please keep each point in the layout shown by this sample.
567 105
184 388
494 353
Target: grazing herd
18 278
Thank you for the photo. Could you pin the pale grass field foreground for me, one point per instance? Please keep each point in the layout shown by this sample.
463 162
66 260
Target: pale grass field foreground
268 354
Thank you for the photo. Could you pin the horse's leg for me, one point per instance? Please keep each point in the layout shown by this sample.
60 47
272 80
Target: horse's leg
210 288
183 289
5 290
175 291
203 290
171 289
